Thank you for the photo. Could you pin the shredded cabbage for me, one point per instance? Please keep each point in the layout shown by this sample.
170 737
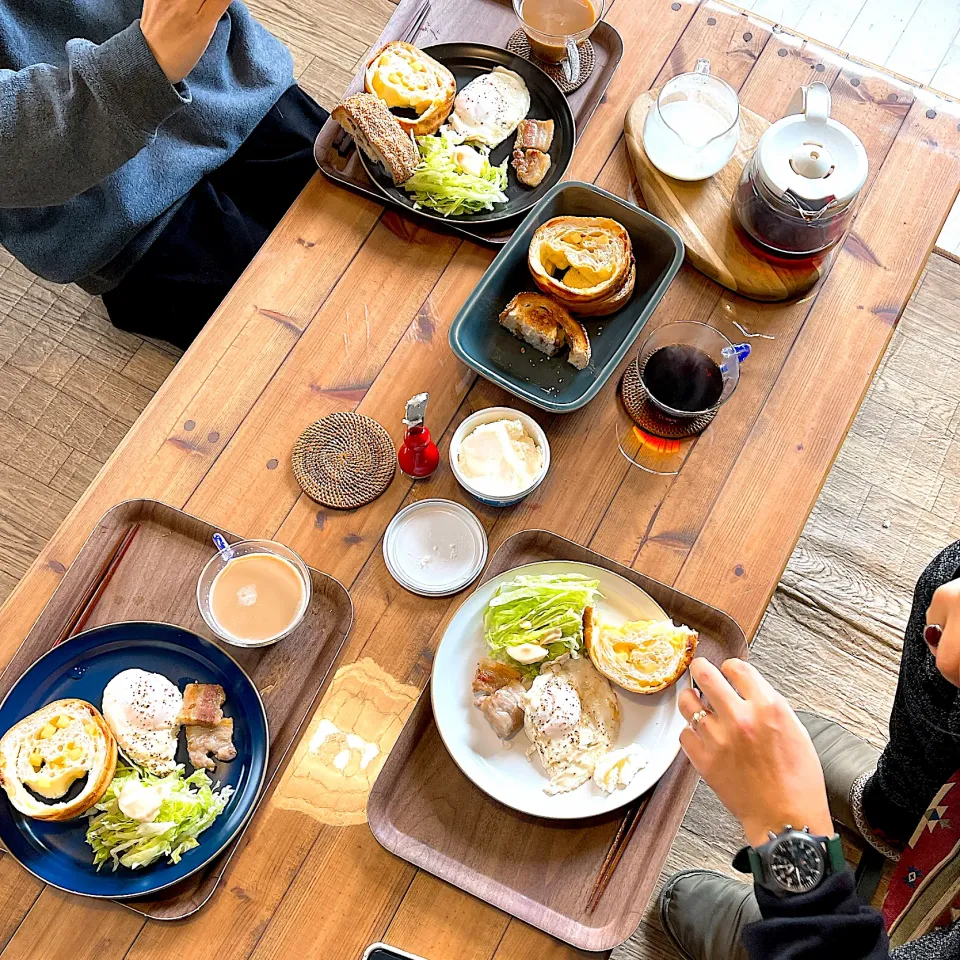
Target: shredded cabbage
440 184
191 805
531 609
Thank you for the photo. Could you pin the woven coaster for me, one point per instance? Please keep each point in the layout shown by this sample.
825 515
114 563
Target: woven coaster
344 460
520 45
648 417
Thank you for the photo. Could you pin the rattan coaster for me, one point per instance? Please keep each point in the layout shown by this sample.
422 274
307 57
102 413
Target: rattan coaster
646 416
344 460
520 45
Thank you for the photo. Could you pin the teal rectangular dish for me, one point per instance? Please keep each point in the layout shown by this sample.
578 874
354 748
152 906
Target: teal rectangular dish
551 383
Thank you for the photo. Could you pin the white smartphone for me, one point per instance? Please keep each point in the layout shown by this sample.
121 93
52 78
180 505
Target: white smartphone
383 951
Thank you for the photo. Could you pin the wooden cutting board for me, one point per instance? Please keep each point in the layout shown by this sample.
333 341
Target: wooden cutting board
700 212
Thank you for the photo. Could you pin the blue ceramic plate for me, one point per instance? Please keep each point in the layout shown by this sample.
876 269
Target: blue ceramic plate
57 853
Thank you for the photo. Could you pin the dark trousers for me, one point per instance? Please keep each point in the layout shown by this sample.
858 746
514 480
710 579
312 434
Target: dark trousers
924 747
173 290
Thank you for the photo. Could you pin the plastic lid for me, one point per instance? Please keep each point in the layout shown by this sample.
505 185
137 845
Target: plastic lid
435 547
811 156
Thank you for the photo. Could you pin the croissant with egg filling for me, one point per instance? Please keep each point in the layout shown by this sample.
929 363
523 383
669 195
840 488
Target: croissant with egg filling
404 77
584 262
47 752
644 656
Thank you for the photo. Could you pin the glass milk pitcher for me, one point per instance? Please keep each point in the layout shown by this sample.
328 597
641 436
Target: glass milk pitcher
692 130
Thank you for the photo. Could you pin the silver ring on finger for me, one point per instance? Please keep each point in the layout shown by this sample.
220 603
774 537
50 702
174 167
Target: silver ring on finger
697 719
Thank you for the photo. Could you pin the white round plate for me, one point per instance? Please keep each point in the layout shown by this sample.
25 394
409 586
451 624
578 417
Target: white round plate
652 721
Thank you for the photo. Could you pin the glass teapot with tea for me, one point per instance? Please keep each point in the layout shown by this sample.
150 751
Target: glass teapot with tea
798 191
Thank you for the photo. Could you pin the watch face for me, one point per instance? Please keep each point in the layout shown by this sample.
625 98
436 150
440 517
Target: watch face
797 863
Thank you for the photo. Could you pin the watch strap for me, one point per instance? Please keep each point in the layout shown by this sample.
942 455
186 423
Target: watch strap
838 862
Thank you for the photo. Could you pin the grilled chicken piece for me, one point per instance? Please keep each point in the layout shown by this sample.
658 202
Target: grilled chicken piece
504 709
204 740
491 676
534 135
531 166
498 695
202 703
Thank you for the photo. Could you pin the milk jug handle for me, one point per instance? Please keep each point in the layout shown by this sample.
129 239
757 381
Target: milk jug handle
813 102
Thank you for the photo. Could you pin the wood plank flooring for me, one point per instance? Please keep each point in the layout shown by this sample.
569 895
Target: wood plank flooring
71 385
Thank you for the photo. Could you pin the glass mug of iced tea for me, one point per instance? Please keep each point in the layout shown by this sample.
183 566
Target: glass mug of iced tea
254 592
555 28
688 369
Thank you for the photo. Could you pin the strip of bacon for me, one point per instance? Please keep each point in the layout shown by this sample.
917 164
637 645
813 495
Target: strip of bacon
202 703
205 740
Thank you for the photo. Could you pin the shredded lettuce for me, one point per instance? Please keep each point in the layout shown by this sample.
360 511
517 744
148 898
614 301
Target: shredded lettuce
531 609
441 185
191 804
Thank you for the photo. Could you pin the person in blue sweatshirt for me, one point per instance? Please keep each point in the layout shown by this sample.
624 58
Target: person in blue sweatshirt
787 777
147 149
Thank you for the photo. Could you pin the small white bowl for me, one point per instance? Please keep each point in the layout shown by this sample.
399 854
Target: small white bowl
488 416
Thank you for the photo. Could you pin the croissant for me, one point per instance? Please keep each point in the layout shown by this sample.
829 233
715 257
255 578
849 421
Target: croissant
48 751
586 263
404 77
644 656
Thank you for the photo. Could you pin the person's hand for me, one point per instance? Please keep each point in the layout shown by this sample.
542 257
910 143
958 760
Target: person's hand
754 752
944 612
178 31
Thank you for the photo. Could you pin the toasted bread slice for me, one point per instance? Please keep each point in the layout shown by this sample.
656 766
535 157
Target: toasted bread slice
50 750
547 325
379 134
536 319
403 76
644 656
580 351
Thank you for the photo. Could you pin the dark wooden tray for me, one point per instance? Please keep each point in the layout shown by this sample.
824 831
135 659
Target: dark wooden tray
423 809
477 21
157 580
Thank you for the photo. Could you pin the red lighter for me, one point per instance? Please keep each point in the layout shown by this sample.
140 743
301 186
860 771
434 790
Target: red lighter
418 456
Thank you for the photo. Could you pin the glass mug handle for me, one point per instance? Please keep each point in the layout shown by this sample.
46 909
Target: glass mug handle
571 63
739 350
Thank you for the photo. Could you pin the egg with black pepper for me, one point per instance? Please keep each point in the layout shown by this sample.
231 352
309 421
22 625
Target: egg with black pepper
572 718
143 711
489 109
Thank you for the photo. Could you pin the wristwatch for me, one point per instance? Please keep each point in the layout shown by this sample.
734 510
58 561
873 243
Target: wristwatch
792 862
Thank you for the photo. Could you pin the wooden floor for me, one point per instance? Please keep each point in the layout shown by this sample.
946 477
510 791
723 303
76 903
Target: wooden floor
71 385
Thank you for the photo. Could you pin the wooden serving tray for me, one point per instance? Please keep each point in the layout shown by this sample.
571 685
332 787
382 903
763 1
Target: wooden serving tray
157 580
477 21
423 809
700 211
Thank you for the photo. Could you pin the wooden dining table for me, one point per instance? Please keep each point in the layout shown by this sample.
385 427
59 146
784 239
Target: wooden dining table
347 308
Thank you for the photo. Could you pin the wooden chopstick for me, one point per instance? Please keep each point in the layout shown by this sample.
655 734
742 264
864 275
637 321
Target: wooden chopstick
625 832
88 602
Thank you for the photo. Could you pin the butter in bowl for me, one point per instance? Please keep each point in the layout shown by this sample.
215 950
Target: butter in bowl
499 456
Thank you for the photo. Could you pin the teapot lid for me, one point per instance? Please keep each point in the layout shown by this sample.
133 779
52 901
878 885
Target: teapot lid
810 157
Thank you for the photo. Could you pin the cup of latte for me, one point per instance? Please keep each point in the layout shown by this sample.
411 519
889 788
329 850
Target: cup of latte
254 592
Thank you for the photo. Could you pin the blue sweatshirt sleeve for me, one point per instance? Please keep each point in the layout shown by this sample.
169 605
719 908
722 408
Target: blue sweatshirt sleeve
63 129
827 922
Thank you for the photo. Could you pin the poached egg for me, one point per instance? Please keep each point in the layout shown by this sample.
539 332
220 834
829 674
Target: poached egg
572 719
489 109
143 710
